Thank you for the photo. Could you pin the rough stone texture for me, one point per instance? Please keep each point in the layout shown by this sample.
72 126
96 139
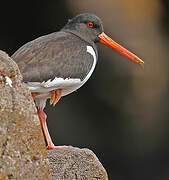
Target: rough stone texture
22 147
75 164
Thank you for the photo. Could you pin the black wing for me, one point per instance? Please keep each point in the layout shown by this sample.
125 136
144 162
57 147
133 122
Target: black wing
58 54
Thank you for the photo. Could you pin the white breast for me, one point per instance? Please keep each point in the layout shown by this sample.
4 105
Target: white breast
67 85
91 51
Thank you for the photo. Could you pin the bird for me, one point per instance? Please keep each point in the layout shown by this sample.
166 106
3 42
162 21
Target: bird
59 63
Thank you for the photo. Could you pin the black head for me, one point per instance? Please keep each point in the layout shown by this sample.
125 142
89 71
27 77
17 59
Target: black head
89 28
86 26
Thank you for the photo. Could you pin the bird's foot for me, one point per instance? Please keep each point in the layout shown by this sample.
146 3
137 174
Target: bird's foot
55 95
56 147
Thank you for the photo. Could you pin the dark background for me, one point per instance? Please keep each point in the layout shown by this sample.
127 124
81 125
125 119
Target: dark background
122 111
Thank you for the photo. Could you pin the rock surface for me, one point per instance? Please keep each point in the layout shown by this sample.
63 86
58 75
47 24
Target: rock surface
75 164
22 147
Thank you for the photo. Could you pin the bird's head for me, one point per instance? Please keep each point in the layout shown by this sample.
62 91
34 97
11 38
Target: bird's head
89 28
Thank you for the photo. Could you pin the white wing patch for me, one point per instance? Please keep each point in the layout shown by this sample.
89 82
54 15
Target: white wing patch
60 82
8 81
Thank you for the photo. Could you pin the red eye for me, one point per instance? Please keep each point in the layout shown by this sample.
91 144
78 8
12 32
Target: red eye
89 24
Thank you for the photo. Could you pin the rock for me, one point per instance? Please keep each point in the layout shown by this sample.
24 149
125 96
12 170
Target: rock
22 146
23 153
75 164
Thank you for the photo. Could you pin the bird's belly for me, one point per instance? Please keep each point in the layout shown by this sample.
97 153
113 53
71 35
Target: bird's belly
67 85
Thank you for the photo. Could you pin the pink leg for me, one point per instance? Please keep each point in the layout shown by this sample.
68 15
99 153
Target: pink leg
42 117
34 94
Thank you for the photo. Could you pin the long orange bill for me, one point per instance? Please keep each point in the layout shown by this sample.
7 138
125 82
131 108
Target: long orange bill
109 42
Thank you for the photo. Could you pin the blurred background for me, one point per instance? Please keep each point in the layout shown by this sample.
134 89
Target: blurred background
122 112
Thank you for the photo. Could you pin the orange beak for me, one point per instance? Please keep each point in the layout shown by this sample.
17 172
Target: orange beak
109 42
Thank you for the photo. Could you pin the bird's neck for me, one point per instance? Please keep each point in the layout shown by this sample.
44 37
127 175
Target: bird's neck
78 34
